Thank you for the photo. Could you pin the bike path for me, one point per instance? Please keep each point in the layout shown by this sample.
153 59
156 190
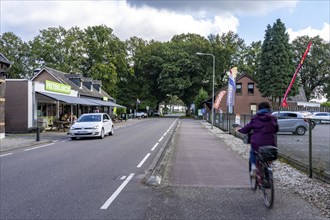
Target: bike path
199 158
205 179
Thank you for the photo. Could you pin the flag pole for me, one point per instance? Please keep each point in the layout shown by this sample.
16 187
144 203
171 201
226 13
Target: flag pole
284 103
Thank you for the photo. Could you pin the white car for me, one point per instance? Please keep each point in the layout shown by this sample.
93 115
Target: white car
92 125
141 114
321 117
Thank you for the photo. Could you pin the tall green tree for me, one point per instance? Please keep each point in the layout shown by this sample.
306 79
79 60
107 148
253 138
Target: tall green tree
48 48
18 52
184 74
276 63
251 59
129 85
105 57
315 71
228 50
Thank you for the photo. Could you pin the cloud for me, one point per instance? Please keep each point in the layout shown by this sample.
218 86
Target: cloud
324 33
255 8
26 18
158 20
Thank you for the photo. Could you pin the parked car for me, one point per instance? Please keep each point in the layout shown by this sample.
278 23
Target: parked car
92 125
141 114
295 122
156 113
318 116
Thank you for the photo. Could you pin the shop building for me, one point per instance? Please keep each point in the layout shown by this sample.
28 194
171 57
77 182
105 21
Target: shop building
49 96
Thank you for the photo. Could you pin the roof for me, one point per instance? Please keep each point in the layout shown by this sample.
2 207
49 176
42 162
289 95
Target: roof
3 59
67 99
64 78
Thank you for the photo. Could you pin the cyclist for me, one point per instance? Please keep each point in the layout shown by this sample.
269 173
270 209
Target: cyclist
264 127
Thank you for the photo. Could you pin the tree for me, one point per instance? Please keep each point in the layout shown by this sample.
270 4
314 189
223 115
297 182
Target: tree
105 57
17 52
184 74
315 71
251 58
202 96
276 63
128 84
228 51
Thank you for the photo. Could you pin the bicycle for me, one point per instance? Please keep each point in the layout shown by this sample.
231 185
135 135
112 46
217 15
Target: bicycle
264 173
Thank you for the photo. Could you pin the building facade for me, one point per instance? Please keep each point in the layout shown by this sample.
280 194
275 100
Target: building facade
247 97
50 95
4 66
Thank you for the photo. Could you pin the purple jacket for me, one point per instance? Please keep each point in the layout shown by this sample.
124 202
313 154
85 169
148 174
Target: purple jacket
264 127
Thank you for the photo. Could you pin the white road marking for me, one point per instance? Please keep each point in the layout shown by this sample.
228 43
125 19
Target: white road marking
3 155
154 147
116 193
161 139
144 159
33 148
122 178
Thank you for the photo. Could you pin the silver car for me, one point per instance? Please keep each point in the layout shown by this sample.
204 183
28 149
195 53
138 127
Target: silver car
321 117
295 122
92 125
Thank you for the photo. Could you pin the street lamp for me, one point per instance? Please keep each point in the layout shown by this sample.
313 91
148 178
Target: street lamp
212 110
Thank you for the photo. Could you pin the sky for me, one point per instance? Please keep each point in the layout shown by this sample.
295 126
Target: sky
162 19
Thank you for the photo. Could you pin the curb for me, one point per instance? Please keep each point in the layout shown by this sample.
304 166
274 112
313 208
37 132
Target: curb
158 165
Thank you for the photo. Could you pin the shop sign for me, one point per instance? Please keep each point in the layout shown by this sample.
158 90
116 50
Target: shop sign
105 98
57 87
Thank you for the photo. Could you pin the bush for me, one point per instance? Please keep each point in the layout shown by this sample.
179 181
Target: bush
325 104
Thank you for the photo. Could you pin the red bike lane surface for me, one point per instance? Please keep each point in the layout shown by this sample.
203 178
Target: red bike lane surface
199 158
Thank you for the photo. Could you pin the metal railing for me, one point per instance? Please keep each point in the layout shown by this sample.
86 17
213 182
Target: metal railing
309 152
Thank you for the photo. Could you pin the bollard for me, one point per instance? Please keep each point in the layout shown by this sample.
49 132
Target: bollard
38 134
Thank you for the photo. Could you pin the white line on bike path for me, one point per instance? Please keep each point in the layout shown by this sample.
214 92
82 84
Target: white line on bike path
116 193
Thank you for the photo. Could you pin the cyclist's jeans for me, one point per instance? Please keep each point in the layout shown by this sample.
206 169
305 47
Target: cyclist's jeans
252 156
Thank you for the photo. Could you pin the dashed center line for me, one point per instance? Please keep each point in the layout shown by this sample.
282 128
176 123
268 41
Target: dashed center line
116 193
144 159
154 147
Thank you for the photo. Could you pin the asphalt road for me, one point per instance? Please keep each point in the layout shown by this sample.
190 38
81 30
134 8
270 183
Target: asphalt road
103 179
83 179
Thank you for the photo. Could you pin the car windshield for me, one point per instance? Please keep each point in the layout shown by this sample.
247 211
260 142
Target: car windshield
89 118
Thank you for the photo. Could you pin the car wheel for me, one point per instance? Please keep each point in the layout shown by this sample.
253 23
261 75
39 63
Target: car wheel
112 131
102 134
73 138
300 130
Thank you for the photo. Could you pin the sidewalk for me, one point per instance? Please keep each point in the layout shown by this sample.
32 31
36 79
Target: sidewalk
15 141
199 158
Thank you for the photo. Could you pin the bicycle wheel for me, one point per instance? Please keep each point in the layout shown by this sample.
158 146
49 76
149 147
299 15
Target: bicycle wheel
268 187
253 179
